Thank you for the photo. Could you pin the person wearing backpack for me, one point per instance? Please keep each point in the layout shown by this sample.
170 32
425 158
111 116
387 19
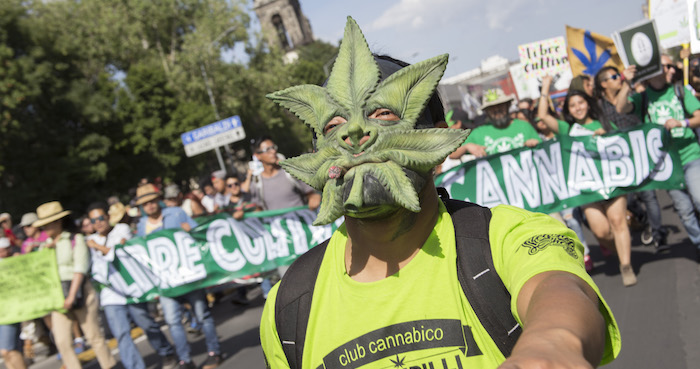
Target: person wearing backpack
667 104
384 291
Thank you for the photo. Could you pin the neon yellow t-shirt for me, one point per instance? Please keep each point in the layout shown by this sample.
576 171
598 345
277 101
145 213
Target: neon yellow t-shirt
420 315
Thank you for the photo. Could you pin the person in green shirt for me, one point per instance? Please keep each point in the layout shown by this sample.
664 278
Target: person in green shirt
387 293
663 107
501 133
607 219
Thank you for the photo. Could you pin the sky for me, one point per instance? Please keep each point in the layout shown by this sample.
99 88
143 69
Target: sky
468 30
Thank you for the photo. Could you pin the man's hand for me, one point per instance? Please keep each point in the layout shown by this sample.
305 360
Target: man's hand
476 150
68 302
556 349
314 201
92 244
531 142
672 123
630 72
599 132
238 214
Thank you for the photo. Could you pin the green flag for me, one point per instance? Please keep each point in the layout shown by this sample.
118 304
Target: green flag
570 171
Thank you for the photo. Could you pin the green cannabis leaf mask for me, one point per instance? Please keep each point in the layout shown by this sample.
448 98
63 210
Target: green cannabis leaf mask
370 158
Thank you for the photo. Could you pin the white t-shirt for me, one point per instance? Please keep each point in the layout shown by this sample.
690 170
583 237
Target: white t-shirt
102 269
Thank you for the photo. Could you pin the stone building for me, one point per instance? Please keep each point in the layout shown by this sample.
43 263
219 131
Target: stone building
283 23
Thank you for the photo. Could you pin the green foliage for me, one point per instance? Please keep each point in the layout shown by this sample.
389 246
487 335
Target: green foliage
95 94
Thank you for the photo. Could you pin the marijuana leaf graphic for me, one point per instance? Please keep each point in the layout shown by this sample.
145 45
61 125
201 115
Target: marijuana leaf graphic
399 361
342 159
595 62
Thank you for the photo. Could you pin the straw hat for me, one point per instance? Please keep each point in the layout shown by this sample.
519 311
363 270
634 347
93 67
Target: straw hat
28 219
494 97
116 213
49 212
146 193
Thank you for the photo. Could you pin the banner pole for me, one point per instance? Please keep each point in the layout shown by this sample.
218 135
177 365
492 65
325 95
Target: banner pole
685 53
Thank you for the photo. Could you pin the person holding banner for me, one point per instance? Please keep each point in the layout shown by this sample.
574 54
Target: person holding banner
81 299
608 84
118 313
155 219
10 344
501 133
607 219
670 105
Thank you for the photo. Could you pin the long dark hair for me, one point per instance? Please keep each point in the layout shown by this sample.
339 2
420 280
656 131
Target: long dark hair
598 90
593 110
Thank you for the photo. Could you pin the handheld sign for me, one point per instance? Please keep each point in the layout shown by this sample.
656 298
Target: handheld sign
213 135
639 45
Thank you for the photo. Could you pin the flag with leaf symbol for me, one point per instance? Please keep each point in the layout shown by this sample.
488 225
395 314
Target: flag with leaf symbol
589 52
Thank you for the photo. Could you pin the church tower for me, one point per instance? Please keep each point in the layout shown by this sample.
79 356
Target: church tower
283 23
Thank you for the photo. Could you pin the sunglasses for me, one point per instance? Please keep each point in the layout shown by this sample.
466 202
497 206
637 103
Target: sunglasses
613 77
101 218
669 66
233 184
268 149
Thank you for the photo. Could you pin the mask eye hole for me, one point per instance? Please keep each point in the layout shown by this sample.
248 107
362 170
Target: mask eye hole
335 122
384 114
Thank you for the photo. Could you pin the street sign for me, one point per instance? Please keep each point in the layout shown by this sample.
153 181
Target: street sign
213 135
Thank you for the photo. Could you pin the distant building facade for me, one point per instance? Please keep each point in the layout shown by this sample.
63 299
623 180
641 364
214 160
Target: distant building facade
283 24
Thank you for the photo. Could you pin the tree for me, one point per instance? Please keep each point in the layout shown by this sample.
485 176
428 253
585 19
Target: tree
88 110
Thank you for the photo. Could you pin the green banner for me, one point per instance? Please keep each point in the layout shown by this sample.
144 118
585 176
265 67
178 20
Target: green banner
569 172
219 250
29 286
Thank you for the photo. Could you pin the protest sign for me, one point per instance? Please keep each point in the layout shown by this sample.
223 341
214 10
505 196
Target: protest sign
29 286
546 57
531 87
671 18
569 172
639 45
589 52
694 25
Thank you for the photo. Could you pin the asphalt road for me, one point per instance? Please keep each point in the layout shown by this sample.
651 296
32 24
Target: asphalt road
659 317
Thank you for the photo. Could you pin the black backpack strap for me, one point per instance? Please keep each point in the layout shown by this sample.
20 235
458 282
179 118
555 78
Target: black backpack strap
645 106
477 275
679 90
293 303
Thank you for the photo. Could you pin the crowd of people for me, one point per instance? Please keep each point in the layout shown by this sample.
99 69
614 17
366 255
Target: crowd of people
596 105
84 247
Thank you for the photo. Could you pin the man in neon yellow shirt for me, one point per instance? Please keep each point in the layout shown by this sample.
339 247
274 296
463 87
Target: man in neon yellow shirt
387 293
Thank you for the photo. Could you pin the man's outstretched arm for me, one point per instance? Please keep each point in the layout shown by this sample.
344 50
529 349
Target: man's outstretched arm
562 326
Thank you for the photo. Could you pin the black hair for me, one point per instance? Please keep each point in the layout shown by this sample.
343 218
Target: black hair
594 111
433 111
101 205
205 182
256 142
231 175
598 89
